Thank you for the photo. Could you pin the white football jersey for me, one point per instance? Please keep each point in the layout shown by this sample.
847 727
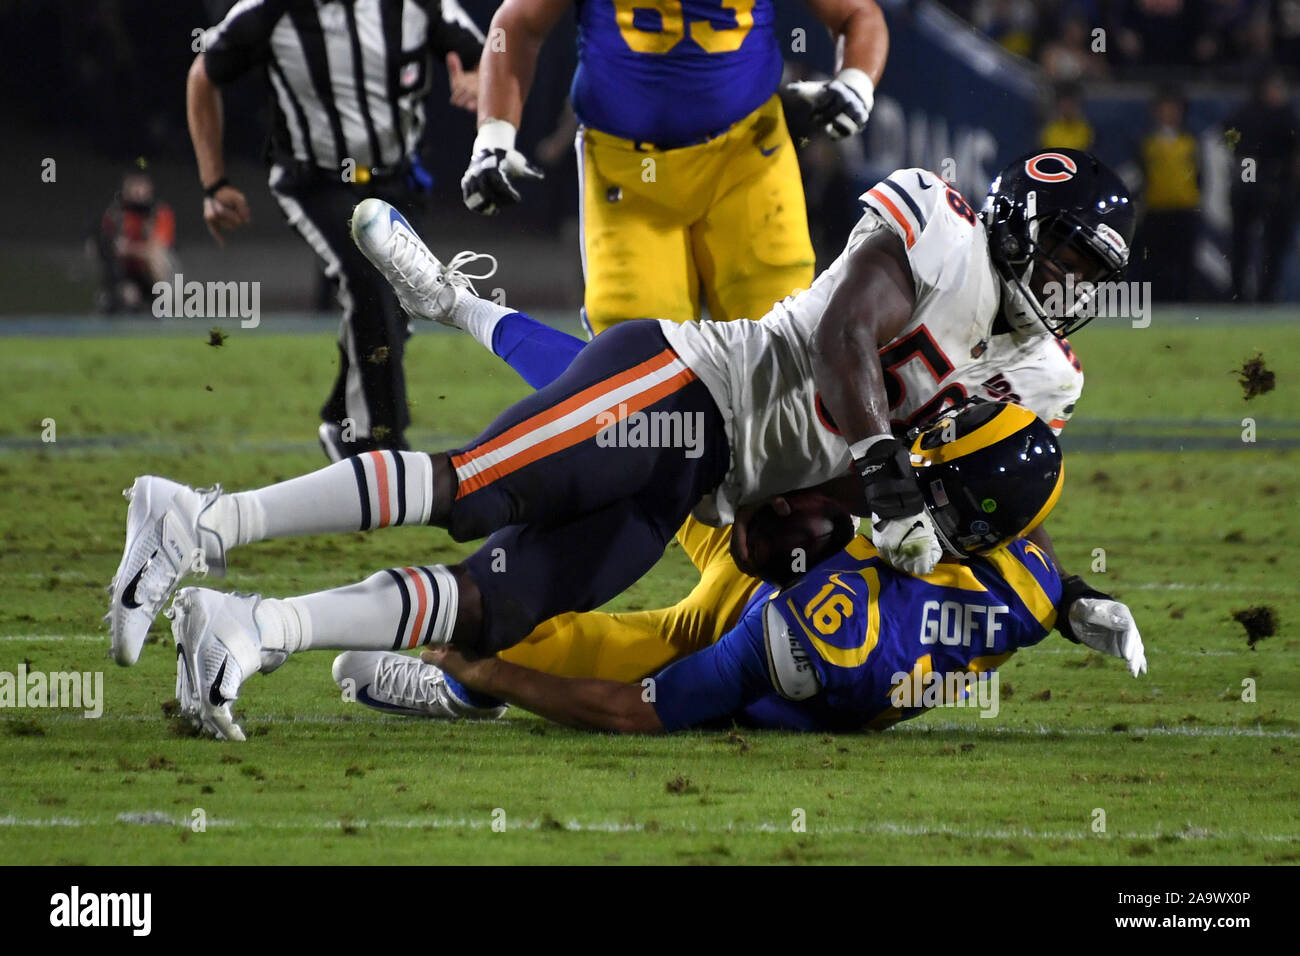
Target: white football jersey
760 373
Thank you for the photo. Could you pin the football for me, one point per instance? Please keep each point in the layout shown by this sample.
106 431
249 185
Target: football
780 547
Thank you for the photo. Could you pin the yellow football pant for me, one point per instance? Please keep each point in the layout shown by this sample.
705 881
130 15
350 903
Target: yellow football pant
627 647
726 215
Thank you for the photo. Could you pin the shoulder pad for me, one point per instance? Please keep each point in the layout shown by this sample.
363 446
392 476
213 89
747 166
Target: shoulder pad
935 222
1049 383
834 613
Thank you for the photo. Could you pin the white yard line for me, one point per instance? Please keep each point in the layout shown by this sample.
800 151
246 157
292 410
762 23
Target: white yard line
37 638
1277 588
919 727
573 825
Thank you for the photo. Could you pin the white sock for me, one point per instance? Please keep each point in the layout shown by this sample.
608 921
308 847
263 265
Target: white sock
390 610
376 489
478 317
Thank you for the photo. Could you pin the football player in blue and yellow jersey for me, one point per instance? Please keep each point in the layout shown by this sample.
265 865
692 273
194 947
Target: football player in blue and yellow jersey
689 179
849 645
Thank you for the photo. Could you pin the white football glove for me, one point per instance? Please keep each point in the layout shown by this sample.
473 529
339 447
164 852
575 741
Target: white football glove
1106 625
486 185
908 543
841 105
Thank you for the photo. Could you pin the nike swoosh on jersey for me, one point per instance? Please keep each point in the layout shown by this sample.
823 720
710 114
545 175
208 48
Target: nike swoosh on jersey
769 152
214 692
921 179
128 595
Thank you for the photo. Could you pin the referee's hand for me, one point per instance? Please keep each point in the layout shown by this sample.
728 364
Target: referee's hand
463 83
225 212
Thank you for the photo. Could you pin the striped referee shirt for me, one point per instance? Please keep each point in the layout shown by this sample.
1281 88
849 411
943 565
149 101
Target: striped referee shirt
349 77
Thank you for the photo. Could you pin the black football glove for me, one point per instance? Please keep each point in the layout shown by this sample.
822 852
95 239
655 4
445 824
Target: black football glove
486 185
842 105
901 528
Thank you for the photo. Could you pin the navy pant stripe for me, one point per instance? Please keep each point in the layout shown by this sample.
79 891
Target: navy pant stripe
406 607
363 489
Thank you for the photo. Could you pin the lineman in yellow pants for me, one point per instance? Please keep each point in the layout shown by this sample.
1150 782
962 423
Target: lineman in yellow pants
689 177
723 218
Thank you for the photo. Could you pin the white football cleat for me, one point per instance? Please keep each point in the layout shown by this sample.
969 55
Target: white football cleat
400 684
425 286
164 542
218 647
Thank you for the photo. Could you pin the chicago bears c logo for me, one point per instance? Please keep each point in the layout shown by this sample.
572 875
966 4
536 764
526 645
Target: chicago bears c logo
1034 167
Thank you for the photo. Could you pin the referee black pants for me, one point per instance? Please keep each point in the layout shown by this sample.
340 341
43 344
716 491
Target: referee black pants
370 390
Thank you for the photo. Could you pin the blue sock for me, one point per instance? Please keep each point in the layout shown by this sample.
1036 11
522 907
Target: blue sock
537 352
473 698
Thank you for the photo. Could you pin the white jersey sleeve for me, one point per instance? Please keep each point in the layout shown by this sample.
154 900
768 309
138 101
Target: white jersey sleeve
931 218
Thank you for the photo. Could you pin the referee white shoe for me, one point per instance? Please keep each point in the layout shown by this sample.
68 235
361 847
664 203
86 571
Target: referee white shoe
426 287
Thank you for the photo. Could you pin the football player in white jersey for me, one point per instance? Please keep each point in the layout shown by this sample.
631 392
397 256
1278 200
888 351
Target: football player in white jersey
578 499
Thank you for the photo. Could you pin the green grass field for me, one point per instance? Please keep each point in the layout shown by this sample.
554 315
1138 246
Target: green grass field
1185 770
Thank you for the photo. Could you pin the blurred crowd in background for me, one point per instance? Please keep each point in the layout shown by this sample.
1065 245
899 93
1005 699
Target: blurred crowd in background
1141 39
112 72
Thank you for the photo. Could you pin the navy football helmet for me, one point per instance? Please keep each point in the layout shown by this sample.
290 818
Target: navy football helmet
990 473
1052 215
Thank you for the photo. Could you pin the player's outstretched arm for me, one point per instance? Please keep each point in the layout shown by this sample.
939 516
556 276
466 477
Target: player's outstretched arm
505 75
843 104
515 37
581 702
715 682
1090 617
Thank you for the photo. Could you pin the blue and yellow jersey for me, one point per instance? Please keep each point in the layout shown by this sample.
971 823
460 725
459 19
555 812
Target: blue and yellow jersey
673 72
847 644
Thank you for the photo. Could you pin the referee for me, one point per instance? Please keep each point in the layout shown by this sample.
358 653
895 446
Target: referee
349 79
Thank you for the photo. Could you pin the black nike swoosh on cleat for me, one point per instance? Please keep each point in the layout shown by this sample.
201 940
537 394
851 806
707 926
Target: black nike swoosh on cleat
214 692
920 179
128 595
184 662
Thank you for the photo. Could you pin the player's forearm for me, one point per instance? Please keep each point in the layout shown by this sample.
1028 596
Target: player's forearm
576 702
866 40
872 303
203 111
507 66
847 373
